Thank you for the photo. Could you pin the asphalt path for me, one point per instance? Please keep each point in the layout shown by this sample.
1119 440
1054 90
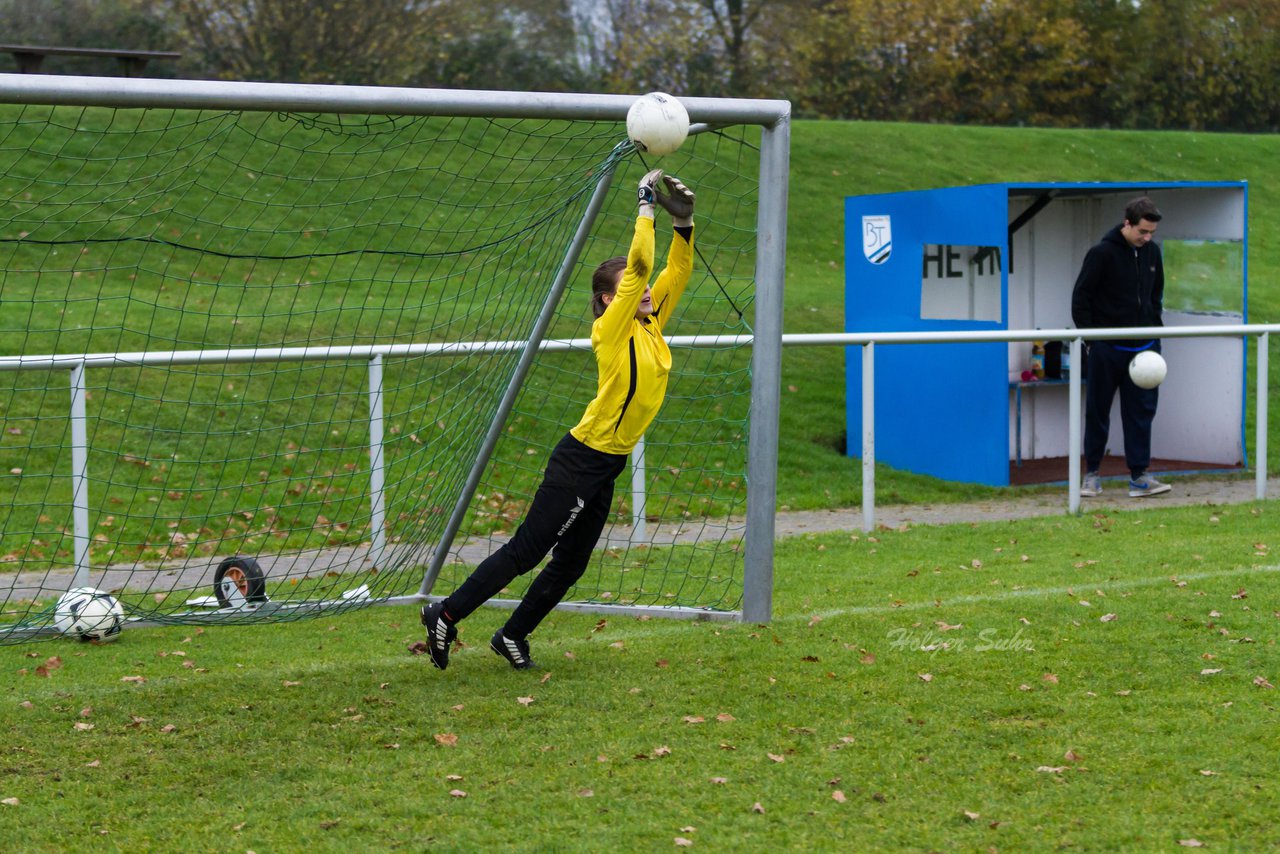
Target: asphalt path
194 577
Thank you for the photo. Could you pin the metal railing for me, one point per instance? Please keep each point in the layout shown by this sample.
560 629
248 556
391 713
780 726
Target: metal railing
869 340
78 364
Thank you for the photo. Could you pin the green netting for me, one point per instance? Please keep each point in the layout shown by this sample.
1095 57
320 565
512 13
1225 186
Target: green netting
154 231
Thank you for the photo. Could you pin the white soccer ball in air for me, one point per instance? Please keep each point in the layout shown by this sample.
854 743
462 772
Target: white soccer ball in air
1147 369
89 614
657 123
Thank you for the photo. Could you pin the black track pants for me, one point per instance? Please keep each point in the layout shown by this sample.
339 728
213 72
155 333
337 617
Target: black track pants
1108 372
568 513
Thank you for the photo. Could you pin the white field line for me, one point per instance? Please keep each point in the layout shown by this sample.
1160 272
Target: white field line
1079 587
394 661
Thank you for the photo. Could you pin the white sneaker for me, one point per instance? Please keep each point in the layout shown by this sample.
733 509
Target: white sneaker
1091 486
1144 485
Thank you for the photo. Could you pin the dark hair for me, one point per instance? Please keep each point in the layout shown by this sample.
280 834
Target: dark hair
604 282
1139 209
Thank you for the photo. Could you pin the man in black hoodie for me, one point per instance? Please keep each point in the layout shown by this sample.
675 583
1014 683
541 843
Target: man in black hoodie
1121 283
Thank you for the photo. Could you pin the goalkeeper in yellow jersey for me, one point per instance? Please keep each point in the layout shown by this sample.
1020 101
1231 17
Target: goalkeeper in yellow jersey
572 504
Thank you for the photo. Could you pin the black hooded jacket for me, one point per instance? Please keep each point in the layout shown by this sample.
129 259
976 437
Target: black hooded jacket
1119 285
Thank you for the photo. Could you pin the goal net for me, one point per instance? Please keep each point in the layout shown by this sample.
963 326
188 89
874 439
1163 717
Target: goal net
262 364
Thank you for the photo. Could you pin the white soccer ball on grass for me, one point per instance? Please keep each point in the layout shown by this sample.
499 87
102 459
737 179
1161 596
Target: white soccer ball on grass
1147 369
89 614
657 123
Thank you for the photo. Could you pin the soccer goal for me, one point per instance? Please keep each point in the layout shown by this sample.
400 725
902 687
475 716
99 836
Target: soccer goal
273 350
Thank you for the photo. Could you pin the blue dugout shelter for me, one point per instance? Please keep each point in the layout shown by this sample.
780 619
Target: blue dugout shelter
1006 256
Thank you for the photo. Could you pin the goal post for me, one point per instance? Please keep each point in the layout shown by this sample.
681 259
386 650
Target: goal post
326 336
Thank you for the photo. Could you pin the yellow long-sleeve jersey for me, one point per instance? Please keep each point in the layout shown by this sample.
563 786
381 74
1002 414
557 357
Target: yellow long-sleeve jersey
632 357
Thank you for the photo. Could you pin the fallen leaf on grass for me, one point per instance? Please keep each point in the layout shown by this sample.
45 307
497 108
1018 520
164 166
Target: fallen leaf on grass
776 757
524 701
719 781
681 842
1190 843
1209 671
288 684
10 802
1208 773
446 739
1051 678
725 717
1262 682
925 677
97 763
838 796
1052 769
1071 756
419 648
693 719
756 807
457 793
1107 618
972 816
662 751
83 727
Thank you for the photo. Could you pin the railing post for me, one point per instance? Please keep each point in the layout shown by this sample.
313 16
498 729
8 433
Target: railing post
1260 447
639 533
1073 426
377 473
869 436
79 476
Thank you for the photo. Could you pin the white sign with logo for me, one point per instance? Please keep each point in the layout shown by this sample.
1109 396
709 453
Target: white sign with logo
877 239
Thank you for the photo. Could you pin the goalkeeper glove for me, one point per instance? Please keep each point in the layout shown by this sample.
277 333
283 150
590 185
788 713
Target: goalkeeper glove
678 201
648 193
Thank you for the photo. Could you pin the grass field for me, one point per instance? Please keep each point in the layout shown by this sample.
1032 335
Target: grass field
1102 682
830 160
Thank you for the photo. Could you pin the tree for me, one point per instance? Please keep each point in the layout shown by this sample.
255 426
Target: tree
310 41
529 45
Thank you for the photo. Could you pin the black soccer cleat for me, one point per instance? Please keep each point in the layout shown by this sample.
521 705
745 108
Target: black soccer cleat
440 634
514 650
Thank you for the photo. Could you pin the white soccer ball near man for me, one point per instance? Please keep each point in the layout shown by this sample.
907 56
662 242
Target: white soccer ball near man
1147 369
657 123
89 614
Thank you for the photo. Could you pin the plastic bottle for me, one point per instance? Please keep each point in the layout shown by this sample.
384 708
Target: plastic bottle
1037 359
